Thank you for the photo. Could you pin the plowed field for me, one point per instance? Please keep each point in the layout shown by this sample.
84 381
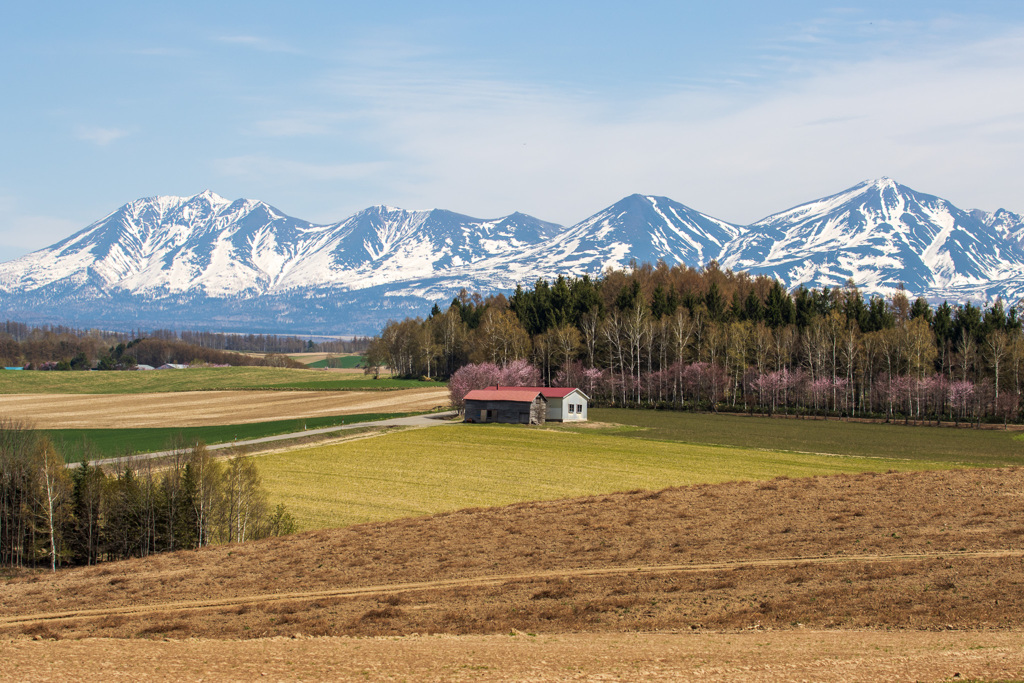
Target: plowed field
902 576
200 408
796 655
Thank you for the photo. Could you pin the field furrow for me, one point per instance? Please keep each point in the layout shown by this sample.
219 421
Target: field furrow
203 408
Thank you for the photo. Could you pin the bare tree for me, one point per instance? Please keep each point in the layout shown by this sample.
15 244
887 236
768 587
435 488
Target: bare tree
203 477
54 497
567 343
997 348
966 350
245 501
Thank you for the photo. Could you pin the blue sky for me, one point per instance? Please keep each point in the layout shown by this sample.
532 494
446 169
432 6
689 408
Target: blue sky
557 109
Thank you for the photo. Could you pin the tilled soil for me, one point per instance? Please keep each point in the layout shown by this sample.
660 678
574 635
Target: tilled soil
923 563
796 655
203 408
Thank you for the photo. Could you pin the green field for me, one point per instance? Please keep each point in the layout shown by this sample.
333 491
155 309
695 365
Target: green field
346 362
984 447
74 444
451 467
192 379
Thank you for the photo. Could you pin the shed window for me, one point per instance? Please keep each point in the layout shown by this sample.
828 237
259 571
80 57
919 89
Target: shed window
571 407
579 408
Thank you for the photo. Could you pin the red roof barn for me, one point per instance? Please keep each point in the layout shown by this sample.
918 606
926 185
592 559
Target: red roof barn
565 404
509 405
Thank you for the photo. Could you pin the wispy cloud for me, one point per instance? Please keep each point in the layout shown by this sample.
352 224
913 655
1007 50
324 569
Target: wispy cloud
100 136
302 124
161 52
458 139
257 43
263 168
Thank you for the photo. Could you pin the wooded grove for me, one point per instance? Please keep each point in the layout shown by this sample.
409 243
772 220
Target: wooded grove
53 515
717 340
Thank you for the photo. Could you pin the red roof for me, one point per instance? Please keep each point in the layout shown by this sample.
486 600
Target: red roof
512 395
548 392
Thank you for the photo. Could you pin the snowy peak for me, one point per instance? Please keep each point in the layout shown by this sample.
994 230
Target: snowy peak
1007 224
184 256
162 246
644 228
880 234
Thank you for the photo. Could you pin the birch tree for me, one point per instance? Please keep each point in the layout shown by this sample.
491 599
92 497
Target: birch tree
54 498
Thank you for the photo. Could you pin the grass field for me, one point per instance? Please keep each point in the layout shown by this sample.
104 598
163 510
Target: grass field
347 362
193 379
934 444
74 444
452 467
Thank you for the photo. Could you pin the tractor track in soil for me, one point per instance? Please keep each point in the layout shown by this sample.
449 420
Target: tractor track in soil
488 581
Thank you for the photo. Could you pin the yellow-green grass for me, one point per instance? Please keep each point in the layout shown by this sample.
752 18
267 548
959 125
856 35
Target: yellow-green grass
192 379
447 468
985 447
347 362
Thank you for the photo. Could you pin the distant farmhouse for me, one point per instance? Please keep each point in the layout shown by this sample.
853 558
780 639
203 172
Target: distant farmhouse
526 405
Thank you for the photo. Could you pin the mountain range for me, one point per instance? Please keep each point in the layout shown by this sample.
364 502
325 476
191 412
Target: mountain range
204 262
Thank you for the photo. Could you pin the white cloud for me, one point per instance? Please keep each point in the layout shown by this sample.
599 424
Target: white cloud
946 121
100 136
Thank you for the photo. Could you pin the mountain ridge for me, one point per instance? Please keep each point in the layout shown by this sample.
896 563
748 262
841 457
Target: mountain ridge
206 261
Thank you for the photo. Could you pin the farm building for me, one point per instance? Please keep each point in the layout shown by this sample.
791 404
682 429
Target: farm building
565 404
511 406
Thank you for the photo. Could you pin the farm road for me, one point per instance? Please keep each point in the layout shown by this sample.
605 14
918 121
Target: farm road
432 420
484 581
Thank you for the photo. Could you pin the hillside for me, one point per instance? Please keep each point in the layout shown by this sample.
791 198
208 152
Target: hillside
921 550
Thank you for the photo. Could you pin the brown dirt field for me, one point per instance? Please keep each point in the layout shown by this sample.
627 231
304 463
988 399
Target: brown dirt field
927 564
201 408
749 656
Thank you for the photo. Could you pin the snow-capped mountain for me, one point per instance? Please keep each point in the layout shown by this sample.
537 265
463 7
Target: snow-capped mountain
1007 223
207 245
880 235
205 262
639 227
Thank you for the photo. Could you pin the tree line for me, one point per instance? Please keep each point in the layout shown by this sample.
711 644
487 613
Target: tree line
52 515
58 347
47 349
715 339
267 343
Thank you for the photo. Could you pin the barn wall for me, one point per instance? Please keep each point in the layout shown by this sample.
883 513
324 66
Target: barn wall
508 412
538 411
